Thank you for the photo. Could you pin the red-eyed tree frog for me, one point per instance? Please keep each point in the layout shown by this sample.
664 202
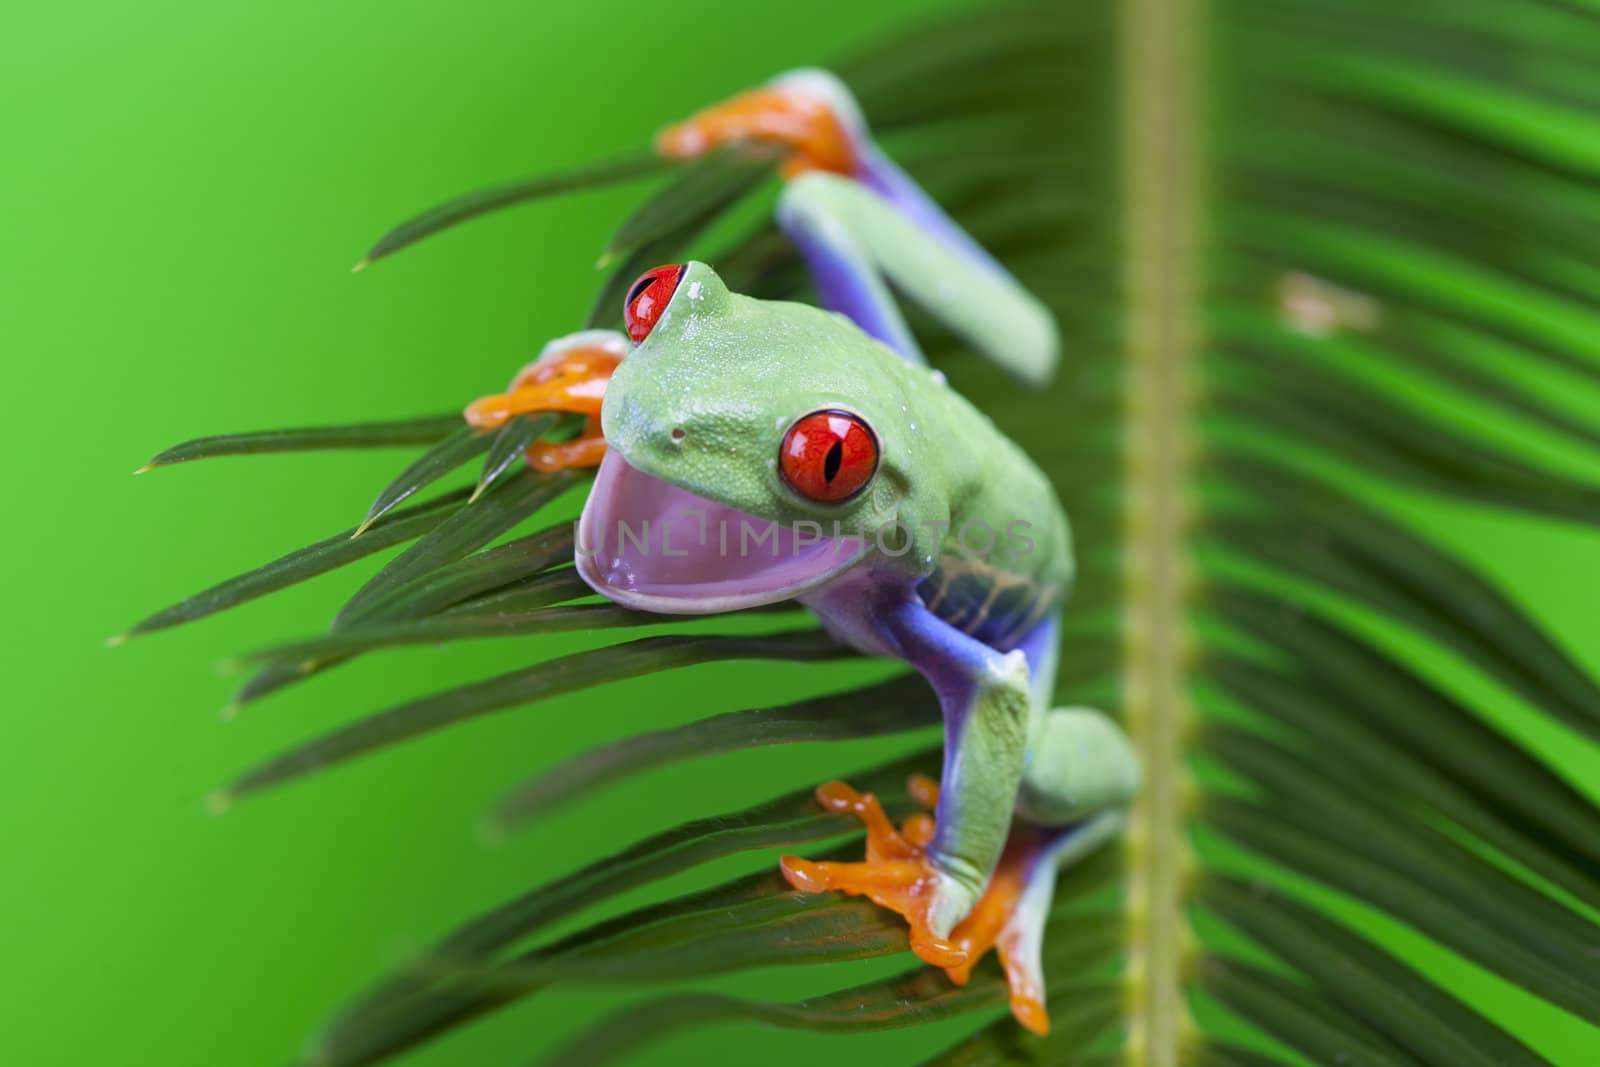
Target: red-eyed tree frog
752 452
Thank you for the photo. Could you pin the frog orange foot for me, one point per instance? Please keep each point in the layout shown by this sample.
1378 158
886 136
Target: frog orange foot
570 377
774 114
899 874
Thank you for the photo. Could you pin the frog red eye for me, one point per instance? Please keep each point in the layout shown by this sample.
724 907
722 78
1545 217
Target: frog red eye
647 299
829 456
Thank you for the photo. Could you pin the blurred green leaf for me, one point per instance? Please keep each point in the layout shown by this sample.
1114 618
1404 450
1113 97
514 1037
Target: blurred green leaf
702 189
1403 1005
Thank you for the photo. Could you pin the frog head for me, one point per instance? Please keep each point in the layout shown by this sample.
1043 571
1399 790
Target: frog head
757 450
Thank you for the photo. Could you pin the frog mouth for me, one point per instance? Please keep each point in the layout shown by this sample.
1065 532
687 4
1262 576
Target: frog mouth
646 544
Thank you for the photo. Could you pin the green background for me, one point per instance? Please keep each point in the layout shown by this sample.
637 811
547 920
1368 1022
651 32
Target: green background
186 186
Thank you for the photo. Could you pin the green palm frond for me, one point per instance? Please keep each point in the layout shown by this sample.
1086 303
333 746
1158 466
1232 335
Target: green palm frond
1316 262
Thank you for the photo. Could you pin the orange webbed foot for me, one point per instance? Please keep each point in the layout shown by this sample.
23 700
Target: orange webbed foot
898 874
571 379
807 126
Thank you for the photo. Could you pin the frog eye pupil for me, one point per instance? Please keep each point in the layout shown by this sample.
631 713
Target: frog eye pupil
639 286
830 466
648 298
828 456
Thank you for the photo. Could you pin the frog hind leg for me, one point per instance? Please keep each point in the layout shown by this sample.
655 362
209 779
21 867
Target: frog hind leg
1079 760
856 240
1079 778
1024 889
860 222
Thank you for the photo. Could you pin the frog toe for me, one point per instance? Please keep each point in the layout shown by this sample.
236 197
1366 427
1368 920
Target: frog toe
571 376
951 926
898 872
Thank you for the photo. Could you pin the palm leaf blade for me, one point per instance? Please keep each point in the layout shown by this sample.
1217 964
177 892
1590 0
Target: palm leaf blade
702 190
474 578
425 431
892 707
483 201
786 821
426 469
304 563
1397 1001
1291 1014
508 504
564 675
908 999
510 443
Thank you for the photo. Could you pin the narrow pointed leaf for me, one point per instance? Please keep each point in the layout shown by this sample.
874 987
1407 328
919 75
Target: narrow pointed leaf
789 820
462 625
497 511
511 442
273 678
1290 1014
1360 425
1213 1053
922 994
483 201
1441 774
793 819
513 609
438 461
477 575
564 675
702 188
1436 866
1080 1013
1293 838
1339 541
891 707
1408 1009
318 558
398 433
787 929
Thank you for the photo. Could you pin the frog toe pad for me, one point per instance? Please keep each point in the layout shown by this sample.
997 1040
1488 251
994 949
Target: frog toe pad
899 874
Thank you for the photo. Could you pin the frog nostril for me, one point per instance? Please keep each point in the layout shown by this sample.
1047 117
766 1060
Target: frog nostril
677 433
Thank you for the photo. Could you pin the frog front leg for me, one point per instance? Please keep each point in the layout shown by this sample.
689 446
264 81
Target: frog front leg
1006 831
570 375
985 701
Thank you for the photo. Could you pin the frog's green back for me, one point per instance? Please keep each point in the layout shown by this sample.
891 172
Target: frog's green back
1007 558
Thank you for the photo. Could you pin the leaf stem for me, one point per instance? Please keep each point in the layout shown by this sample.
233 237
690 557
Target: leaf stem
1159 185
